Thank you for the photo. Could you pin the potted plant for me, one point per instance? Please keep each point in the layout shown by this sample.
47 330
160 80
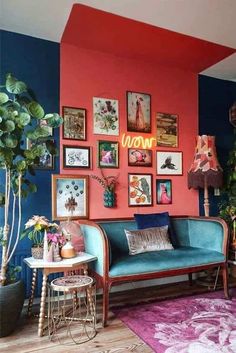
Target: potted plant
228 206
20 115
109 184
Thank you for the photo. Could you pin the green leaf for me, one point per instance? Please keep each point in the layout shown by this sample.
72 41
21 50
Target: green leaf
38 133
36 110
10 141
3 97
23 119
54 120
8 126
32 187
14 86
21 165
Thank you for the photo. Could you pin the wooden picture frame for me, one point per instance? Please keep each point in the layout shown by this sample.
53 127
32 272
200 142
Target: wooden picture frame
108 154
140 189
138 157
74 125
169 163
167 130
76 156
70 197
138 112
163 191
105 116
46 162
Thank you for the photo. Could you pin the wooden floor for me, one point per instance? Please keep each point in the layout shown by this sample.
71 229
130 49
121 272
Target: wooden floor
115 338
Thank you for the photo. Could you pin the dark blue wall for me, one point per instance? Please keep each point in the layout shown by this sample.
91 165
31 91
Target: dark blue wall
215 98
36 62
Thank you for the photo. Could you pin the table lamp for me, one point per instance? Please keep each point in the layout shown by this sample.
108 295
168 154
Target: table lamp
205 170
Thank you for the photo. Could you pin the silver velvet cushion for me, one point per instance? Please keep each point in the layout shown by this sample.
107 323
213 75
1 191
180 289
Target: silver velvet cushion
149 239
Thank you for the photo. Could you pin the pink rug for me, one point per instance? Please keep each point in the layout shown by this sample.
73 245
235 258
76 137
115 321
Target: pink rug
203 323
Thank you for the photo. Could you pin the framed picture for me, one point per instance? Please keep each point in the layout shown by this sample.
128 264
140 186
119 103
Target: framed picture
108 154
105 116
47 160
43 123
164 191
74 125
167 130
138 112
69 196
76 157
139 157
169 163
140 189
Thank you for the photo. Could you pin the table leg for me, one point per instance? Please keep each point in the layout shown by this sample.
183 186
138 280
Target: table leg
42 305
31 298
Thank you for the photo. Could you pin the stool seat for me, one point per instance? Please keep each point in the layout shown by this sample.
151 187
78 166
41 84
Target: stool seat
72 309
70 283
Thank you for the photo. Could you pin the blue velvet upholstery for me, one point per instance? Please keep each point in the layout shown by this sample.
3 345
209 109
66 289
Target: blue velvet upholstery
182 257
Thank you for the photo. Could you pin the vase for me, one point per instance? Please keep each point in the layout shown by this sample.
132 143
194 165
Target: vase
68 251
109 198
47 249
37 252
56 253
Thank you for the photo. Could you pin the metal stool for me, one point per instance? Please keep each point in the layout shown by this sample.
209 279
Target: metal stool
72 309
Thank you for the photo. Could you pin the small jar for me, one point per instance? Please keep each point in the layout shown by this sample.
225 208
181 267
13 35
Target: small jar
68 251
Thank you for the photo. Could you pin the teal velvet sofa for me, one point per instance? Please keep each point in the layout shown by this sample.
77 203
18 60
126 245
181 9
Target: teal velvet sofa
200 244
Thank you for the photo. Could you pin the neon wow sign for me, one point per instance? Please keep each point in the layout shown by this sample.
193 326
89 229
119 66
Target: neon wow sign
137 141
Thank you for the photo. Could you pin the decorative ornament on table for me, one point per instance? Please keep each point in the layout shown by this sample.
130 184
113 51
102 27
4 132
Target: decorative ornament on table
108 183
53 242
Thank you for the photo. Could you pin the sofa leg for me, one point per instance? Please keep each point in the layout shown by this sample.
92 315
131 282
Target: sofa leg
106 289
225 280
190 279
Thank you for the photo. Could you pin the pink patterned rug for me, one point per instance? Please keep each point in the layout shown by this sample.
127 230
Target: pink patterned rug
203 323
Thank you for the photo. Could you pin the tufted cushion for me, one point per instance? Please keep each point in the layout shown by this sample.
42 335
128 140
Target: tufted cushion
150 220
149 239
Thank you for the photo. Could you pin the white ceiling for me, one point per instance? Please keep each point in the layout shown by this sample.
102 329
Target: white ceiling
212 20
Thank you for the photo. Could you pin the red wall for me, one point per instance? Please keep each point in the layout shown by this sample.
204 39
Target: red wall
86 74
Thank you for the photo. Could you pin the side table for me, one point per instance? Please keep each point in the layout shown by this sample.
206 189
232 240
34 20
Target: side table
80 262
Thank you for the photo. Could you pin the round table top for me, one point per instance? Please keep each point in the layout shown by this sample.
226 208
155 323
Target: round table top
70 283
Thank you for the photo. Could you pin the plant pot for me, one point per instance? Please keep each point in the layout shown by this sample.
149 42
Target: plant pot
109 198
11 303
37 252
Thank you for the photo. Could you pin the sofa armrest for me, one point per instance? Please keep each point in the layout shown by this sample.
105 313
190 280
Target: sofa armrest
203 232
96 243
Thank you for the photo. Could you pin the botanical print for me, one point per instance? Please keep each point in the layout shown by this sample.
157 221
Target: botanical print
76 157
169 163
139 157
69 197
167 130
46 161
138 112
106 120
140 189
74 125
164 193
108 154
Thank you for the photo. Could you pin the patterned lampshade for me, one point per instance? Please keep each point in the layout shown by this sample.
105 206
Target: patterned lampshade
205 170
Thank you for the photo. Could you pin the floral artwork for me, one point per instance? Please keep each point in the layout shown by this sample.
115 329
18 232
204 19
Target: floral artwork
69 197
140 189
167 129
108 154
106 118
164 192
138 112
139 157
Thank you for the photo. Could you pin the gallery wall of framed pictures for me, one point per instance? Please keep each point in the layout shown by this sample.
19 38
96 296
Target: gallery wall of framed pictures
89 146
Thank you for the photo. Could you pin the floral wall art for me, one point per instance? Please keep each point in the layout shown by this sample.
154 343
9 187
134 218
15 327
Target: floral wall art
140 189
105 116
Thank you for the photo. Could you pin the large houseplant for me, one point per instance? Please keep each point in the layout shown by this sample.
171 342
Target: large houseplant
20 115
228 206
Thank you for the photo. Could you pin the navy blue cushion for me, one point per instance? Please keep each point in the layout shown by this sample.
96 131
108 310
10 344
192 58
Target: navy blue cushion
151 220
